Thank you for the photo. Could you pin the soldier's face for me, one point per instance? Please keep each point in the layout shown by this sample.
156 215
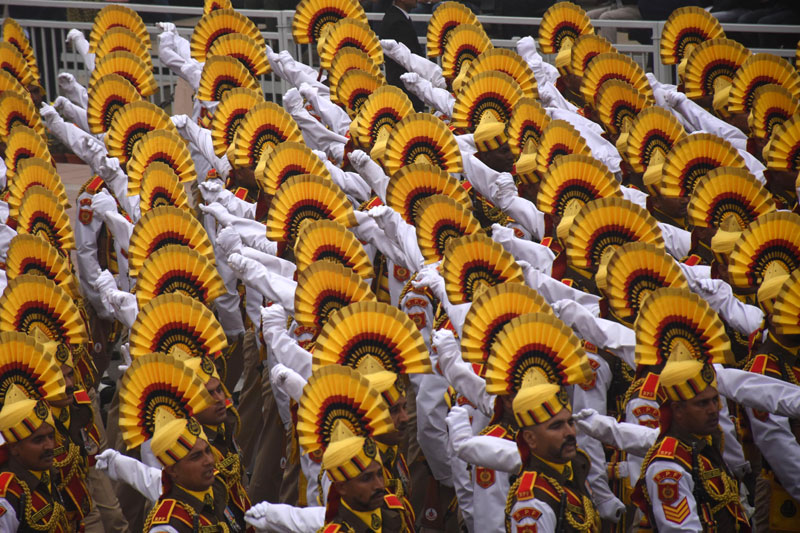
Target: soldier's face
365 492
700 415
553 440
501 159
36 451
214 415
399 416
196 470
69 380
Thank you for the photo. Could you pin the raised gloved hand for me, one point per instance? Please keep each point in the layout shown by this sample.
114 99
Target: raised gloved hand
48 112
102 203
229 242
223 217
104 281
526 46
322 155
292 101
458 426
359 159
446 346
429 277
307 91
180 121
211 190
272 317
288 380
258 514
389 46
166 26
581 320
409 78
503 190
583 414
72 35
104 459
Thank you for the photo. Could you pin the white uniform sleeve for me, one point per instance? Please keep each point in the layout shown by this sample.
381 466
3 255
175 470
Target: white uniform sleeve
778 445
73 113
273 287
171 53
545 521
504 195
429 277
371 172
369 231
162 529
295 72
8 519
592 133
540 257
287 352
677 241
759 392
633 195
81 45
553 290
545 73
431 427
611 336
593 395
268 517
632 438
742 317
331 114
105 208
351 183
439 99
402 235
682 514
316 136
459 373
552 98
200 141
701 120
145 479
427 69
74 91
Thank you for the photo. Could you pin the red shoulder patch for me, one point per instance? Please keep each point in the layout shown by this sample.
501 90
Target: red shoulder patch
667 448
667 484
401 274
497 431
5 481
82 397
759 364
646 410
393 502
240 193
164 512
528 528
649 388
331 528
692 260
526 512
525 487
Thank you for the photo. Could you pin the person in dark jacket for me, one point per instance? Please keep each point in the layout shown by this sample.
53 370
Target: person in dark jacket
397 25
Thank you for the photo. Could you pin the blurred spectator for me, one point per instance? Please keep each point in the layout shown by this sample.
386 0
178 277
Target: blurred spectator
660 10
615 10
397 25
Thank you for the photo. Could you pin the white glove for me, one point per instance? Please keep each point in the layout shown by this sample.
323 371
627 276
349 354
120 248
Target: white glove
166 26
409 78
179 120
73 34
211 190
257 516
102 203
104 458
47 111
229 242
612 509
273 317
429 277
503 190
288 380
104 281
322 155
448 350
292 100
526 45
69 87
458 426
223 217
583 414
270 285
371 171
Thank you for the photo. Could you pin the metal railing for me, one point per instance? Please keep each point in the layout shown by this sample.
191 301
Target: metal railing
47 38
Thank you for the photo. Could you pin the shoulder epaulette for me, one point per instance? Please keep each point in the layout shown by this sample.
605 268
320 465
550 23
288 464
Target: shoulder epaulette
82 397
649 388
331 528
525 488
693 260
94 185
7 484
495 430
544 485
672 449
169 509
393 502
241 193
765 365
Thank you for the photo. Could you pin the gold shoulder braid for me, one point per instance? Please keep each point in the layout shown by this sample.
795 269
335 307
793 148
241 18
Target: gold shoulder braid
219 527
590 516
31 518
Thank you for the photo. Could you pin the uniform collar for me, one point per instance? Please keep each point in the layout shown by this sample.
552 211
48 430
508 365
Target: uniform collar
372 519
565 469
205 496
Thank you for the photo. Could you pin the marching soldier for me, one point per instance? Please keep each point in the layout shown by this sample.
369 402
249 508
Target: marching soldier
685 484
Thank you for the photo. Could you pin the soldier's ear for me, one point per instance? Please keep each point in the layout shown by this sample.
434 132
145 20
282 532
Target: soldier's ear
529 437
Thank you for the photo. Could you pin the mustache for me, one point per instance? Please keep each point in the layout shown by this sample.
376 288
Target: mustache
48 454
569 441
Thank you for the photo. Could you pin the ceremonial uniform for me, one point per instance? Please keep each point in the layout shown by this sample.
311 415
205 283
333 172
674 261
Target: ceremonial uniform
29 501
229 463
389 518
550 497
490 487
687 487
183 511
